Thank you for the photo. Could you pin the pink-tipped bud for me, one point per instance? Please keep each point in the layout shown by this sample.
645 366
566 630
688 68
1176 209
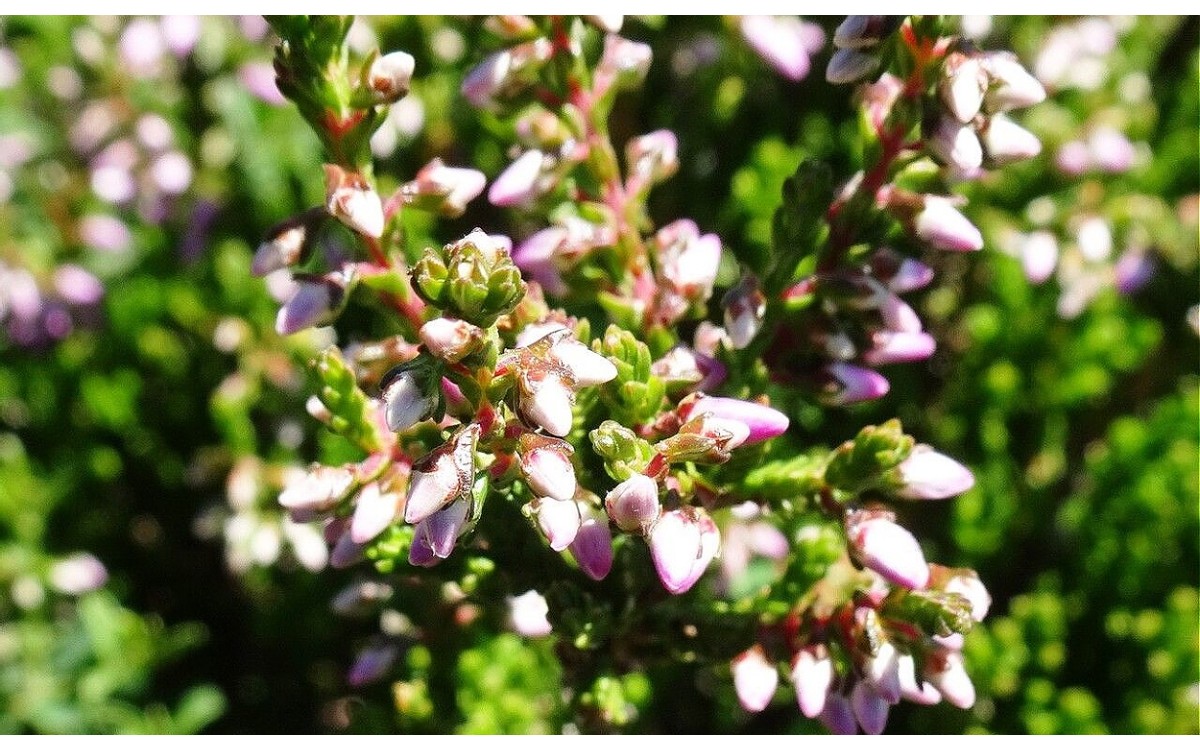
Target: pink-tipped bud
785 42
838 716
78 574
852 384
405 402
763 422
882 672
389 77
688 260
77 286
1039 256
850 65
592 546
449 188
682 543
432 485
349 198
520 181
558 520
280 250
1110 150
548 470
956 145
929 475
450 339
912 689
499 74
942 225
745 306
887 548
441 530
891 347
545 401
374 511
910 276
812 674
967 583
535 257
527 615
1005 141
870 709
948 674
898 315
754 679
963 86
372 664
318 490
653 157
588 367
313 303
624 63
633 504
1012 86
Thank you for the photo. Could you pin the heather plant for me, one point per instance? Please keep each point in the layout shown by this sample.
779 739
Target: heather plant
592 380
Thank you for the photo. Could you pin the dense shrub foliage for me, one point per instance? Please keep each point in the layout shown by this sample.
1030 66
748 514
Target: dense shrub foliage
795 368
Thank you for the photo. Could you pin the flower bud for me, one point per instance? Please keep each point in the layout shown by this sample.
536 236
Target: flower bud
898 315
704 438
389 77
500 73
929 475
838 716
445 189
963 86
682 543
763 422
318 490
421 554
545 399
921 693
785 42
888 549
520 182
1012 86
558 520
535 256
78 574
408 398
853 384
587 367
1133 270
282 248
891 347
349 198
948 674
870 709
592 546
441 476
812 674
942 225
1005 141
909 276
527 615
633 504
624 62
754 679
858 32
967 583
546 466
441 530
688 261
1039 256
850 65
745 306
1110 150
372 664
77 286
956 145
882 672
346 551
653 157
315 302
450 339
374 511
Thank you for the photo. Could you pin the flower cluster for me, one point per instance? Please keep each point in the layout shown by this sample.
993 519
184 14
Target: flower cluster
487 398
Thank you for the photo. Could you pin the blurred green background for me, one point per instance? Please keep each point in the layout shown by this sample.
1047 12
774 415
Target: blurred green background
152 427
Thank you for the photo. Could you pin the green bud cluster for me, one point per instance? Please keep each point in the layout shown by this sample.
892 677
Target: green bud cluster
473 279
